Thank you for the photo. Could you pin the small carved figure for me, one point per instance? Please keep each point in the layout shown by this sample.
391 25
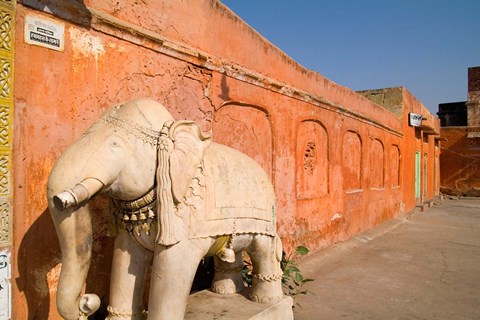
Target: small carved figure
178 197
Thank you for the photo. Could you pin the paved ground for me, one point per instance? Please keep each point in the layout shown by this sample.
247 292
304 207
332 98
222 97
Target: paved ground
425 266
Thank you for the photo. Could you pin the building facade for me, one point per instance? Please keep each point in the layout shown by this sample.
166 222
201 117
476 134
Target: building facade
341 162
421 145
460 127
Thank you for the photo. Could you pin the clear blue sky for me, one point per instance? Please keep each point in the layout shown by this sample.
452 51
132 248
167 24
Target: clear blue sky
423 45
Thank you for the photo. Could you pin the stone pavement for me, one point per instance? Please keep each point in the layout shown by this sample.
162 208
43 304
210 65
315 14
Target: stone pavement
424 266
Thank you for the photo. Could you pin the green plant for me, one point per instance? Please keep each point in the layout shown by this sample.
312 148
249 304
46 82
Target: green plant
247 272
292 278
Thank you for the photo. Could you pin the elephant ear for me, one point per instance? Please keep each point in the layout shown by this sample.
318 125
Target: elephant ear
190 144
180 152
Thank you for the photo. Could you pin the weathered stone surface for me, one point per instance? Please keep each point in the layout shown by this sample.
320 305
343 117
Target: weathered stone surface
474 83
390 98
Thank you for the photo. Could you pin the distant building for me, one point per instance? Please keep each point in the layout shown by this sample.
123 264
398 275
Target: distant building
453 114
421 151
460 127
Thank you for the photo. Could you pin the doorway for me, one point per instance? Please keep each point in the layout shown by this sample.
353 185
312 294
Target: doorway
417 174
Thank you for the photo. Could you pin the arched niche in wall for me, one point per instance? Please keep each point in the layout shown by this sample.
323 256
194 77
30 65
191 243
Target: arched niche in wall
395 158
377 164
247 128
311 160
352 161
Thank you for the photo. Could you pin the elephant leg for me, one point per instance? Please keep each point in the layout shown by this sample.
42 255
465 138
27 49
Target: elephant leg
173 271
265 253
228 276
127 285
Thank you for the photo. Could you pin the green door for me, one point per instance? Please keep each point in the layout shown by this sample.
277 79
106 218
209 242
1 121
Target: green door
417 174
425 177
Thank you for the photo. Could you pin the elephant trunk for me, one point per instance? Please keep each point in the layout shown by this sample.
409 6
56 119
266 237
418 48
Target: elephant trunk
70 212
75 235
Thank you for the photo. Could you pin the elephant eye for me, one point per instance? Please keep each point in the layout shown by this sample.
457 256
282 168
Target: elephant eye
114 143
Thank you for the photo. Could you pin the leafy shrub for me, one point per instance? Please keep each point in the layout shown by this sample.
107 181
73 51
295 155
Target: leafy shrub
293 279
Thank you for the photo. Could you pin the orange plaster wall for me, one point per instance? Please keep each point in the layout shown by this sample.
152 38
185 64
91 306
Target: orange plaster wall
423 139
417 140
57 96
327 215
460 158
213 28
456 143
60 94
459 153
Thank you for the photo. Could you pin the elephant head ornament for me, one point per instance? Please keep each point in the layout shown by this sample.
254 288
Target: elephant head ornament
178 197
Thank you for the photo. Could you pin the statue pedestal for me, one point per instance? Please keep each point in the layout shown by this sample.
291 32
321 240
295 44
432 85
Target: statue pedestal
206 305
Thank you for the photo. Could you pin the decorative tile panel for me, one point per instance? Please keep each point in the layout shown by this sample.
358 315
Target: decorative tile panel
5 213
4 125
5 78
5 31
5 159
7 50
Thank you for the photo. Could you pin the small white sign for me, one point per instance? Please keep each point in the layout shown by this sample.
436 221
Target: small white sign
5 286
44 32
414 119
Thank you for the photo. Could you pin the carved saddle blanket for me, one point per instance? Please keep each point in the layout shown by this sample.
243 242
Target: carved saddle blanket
230 194
236 194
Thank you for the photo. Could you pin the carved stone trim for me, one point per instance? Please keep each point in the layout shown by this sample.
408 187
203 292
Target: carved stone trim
6 35
7 22
5 136
5 221
5 78
268 277
114 313
5 159
138 215
145 134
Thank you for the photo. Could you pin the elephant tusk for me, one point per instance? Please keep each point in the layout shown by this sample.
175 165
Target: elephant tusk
64 200
81 192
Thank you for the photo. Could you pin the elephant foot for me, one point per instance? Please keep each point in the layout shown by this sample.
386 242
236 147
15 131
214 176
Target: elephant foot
264 299
227 282
266 289
228 276
227 286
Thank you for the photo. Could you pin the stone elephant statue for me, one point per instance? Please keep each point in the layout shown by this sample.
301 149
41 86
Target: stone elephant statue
177 197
